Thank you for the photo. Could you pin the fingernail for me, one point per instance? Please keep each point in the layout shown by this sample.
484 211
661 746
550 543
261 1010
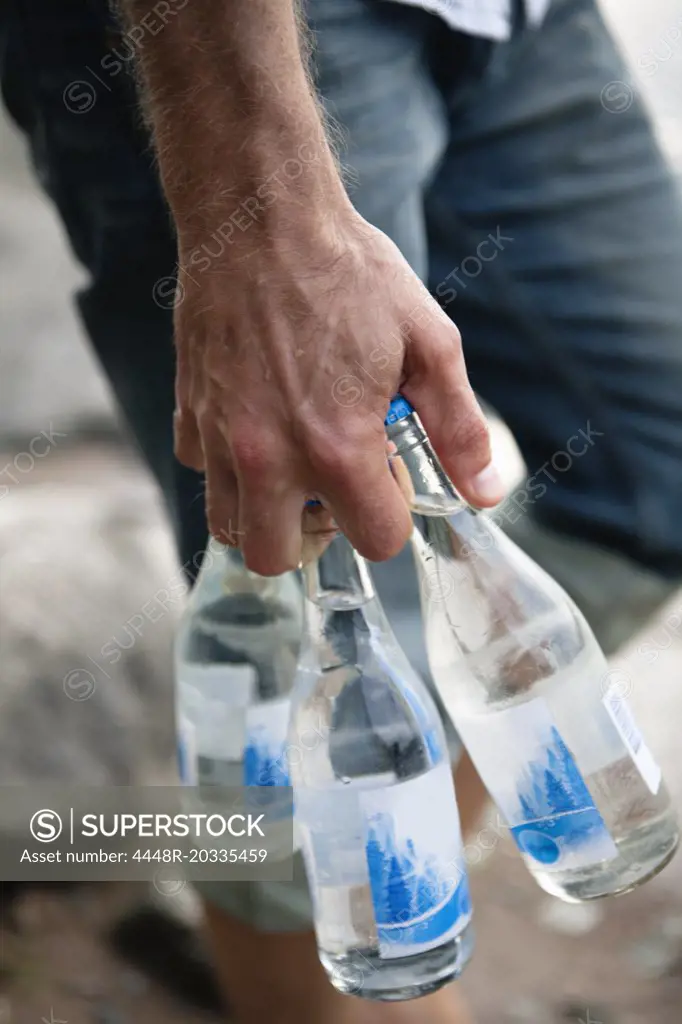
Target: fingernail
488 484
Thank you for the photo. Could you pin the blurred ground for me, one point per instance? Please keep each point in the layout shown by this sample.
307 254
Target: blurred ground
537 961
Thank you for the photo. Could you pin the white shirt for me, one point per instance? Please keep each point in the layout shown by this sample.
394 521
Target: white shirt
489 18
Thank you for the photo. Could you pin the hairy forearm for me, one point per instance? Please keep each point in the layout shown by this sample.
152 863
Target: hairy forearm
226 90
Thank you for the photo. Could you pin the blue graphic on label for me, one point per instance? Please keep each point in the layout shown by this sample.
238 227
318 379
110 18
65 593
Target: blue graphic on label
265 745
413 853
537 784
557 808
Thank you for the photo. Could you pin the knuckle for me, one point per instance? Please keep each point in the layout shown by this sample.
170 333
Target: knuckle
442 359
454 338
448 347
469 435
252 452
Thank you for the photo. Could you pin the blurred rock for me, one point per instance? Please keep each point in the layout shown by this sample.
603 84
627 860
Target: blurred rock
569 918
89 596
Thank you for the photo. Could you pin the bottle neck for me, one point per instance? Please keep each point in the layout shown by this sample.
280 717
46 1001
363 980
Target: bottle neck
434 493
342 611
339 578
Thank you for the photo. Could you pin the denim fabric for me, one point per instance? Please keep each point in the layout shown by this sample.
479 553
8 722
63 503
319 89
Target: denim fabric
579 319
553 235
571 315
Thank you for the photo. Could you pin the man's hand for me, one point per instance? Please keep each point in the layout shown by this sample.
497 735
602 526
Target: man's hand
296 321
287 364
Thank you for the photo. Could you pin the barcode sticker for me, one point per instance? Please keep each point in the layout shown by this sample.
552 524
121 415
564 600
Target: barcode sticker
624 721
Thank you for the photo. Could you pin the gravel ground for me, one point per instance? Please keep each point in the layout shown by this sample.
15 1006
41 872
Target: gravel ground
537 961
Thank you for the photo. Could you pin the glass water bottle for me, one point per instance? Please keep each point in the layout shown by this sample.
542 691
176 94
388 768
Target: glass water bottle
235 657
529 691
374 797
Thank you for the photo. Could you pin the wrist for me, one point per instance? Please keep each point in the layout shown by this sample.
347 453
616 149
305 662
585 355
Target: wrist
275 198
257 178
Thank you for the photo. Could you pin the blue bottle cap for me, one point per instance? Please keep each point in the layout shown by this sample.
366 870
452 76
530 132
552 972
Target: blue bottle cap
399 409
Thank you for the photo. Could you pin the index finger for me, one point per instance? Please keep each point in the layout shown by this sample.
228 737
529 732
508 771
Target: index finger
367 503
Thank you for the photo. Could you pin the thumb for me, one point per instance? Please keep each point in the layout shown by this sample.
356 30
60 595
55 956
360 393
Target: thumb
460 434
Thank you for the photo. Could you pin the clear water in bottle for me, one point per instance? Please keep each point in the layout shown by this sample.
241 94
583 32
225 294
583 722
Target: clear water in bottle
374 798
235 656
530 693
569 770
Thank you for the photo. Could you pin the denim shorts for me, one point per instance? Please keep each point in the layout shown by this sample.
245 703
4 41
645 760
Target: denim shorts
522 180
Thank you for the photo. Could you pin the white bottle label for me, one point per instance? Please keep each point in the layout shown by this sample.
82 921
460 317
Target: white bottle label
625 723
251 751
386 864
537 785
217 697
413 851
228 683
